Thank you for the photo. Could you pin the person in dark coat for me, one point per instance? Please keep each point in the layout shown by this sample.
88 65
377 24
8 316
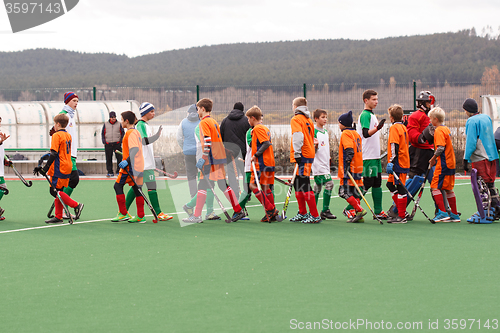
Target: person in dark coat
233 130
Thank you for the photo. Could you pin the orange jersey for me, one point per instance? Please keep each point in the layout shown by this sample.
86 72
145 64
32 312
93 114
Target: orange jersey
211 141
132 139
300 123
445 163
399 136
350 139
61 143
260 134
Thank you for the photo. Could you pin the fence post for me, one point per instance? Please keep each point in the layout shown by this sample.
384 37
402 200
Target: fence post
197 93
305 90
95 93
414 95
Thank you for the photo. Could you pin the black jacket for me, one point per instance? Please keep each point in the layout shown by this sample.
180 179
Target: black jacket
233 130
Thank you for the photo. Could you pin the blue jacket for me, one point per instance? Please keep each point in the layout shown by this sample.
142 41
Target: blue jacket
480 140
185 134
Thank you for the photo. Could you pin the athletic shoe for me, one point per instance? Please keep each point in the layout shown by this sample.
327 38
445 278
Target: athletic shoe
188 210
78 211
265 218
212 216
441 217
272 216
299 217
381 216
193 219
349 213
311 219
454 218
397 219
2 218
54 220
246 215
2 211
110 175
357 217
121 218
164 217
391 213
137 220
327 214
238 216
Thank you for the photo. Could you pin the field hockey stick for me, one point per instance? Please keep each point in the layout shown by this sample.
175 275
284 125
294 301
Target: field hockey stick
421 190
155 220
169 175
228 218
282 181
256 177
364 199
28 184
60 199
289 193
412 198
383 155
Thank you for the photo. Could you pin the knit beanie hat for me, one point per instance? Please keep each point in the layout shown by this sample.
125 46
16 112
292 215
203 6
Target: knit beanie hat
69 96
346 119
238 106
470 105
145 108
112 114
192 108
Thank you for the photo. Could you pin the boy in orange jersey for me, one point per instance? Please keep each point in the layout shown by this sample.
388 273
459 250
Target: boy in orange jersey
444 174
398 158
59 167
263 157
132 165
302 152
211 163
350 160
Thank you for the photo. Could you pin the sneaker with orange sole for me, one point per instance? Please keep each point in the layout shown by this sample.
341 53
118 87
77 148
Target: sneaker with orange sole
164 217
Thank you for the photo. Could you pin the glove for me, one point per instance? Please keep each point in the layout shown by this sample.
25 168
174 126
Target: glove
380 124
200 163
37 171
466 166
298 160
389 167
7 163
428 134
52 131
123 164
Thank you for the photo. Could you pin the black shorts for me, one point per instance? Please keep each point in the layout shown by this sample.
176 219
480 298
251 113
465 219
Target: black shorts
347 191
419 160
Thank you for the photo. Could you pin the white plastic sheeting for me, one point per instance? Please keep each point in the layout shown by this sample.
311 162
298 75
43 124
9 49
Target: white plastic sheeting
491 107
28 123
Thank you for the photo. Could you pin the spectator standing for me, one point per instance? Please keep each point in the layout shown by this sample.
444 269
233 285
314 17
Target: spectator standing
187 141
112 135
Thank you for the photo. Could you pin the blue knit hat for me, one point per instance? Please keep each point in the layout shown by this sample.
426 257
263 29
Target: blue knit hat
145 108
346 119
192 108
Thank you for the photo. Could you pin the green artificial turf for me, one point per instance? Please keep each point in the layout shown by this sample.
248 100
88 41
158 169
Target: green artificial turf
246 276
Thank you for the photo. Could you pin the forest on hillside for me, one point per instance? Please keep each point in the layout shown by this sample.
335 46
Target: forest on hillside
459 57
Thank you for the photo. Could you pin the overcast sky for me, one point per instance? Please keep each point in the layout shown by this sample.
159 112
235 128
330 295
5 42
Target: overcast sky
150 26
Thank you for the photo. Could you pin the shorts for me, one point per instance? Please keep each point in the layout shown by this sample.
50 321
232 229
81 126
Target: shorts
265 177
372 169
59 183
419 160
123 178
73 162
347 191
402 178
486 169
304 169
149 176
215 172
443 182
322 179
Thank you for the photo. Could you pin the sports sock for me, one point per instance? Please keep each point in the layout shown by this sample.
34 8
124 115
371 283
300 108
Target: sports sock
262 199
210 201
120 199
309 196
401 204
67 200
192 202
452 201
139 202
438 199
68 190
1 194
354 203
201 197
130 198
231 197
244 199
327 194
377 199
153 197
270 197
301 201
58 209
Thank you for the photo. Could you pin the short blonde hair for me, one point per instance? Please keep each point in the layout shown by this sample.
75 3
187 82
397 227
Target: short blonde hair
438 113
255 112
300 101
396 112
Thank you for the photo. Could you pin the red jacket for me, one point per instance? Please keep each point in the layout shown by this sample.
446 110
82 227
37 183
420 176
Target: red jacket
417 122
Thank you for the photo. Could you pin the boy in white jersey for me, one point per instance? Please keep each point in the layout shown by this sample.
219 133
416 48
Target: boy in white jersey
147 111
321 164
3 186
368 129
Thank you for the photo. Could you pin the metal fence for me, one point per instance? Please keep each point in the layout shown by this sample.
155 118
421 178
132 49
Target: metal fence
275 101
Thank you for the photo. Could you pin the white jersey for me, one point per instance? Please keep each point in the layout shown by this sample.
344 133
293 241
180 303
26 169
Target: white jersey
147 150
71 129
371 145
2 154
321 163
248 156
